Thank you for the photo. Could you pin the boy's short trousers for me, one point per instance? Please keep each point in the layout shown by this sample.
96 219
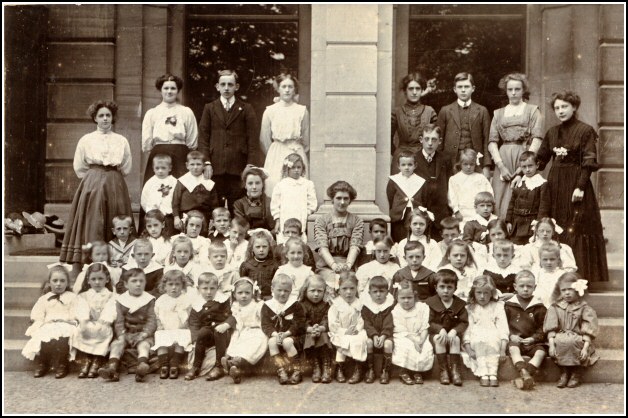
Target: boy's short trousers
529 350
380 350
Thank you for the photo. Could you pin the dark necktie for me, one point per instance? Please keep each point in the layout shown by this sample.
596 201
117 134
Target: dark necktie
55 296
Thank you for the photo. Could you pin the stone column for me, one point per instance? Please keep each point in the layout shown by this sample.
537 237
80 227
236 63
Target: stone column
351 103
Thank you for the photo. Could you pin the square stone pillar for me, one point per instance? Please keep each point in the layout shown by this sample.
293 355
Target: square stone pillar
351 103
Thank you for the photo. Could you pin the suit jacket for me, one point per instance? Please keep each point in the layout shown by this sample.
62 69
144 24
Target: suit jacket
230 140
434 191
479 124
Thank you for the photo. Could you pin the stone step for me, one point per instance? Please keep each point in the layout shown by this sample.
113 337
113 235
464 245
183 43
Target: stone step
21 295
16 321
607 304
606 370
611 334
27 268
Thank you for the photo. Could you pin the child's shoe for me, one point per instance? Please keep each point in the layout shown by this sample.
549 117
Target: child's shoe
369 377
443 366
42 367
110 370
327 371
485 381
493 381
217 372
96 364
316 370
62 356
174 372
193 373
564 379
384 379
405 377
282 375
62 371
340 375
418 379
455 360
574 380
163 372
234 368
526 379
142 370
357 373
296 376
85 369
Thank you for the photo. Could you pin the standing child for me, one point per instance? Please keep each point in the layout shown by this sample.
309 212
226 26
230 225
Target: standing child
294 252
158 191
221 221
121 246
413 352
227 275
476 229
502 270
285 130
465 185
54 323
292 228
228 137
95 311
544 230
260 266
549 271
98 252
420 276
381 266
134 327
459 259
294 196
283 322
248 342
378 324
193 224
448 322
315 299
420 229
346 327
404 194
210 321
143 260
158 236
436 169
181 259
526 314
237 245
487 336
523 207
450 230
193 191
571 326
255 206
172 310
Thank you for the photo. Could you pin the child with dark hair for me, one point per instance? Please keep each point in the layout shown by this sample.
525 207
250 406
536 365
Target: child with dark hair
404 194
476 229
417 274
292 229
382 266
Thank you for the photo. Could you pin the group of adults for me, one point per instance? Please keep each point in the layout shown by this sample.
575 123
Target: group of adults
338 235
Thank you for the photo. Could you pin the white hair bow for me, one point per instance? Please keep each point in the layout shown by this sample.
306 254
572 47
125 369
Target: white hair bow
288 163
483 235
429 214
557 227
87 247
337 282
246 279
263 170
184 218
478 157
396 285
580 286
255 231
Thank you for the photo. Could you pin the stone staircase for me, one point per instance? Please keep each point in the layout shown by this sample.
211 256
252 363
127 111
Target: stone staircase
23 276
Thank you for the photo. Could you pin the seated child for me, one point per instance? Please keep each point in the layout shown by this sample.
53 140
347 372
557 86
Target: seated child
419 229
181 259
156 233
525 314
525 200
448 322
193 191
54 322
404 194
97 252
486 338
283 322
413 352
346 327
134 327
121 246
450 230
502 270
95 310
172 310
483 253
544 230
379 229
459 259
210 321
571 326
248 342
142 258
260 265
548 273
237 244
221 221
227 275
291 229
417 274
296 269
314 299
378 324
193 223
476 229
158 191
465 185
381 266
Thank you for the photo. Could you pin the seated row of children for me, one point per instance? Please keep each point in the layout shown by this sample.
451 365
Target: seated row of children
355 324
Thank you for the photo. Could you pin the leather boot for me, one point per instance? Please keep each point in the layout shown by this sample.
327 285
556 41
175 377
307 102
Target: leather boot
564 378
528 381
63 353
87 365
405 377
443 366
282 375
42 367
369 377
174 365
296 376
163 366
316 369
574 380
142 369
327 371
192 373
356 377
340 375
96 364
456 368
110 370
384 379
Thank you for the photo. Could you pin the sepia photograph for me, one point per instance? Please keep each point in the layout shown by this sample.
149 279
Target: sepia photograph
319 208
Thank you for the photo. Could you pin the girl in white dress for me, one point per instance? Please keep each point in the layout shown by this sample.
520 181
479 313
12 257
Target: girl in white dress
248 342
293 197
548 271
53 323
294 251
465 185
381 266
486 338
172 310
181 258
412 350
97 252
285 130
95 310
544 230
194 222
460 260
157 235
346 327
419 229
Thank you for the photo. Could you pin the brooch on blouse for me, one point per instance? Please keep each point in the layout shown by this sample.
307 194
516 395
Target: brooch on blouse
172 120
560 152
164 189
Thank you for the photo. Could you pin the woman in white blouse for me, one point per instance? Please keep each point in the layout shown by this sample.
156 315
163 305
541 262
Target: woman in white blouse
101 161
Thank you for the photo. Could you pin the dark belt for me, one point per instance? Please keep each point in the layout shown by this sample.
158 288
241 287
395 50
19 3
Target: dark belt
104 167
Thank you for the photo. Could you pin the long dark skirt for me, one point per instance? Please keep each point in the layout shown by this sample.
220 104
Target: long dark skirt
101 195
